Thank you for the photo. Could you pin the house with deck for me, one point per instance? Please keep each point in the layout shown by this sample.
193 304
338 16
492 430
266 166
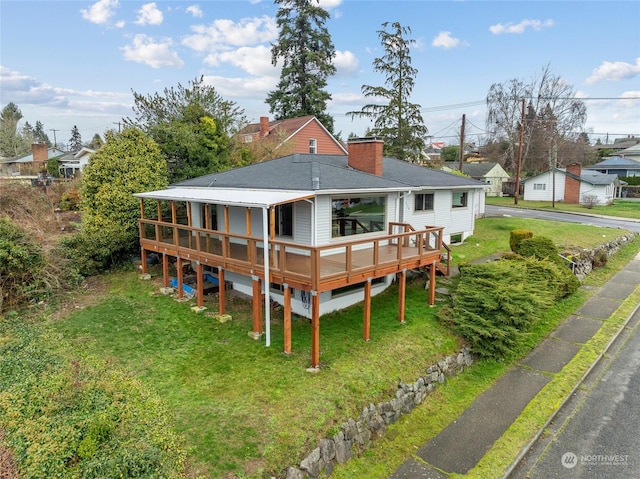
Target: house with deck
315 233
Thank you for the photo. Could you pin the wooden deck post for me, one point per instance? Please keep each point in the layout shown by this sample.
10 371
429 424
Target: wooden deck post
402 288
432 284
366 327
257 307
143 260
287 319
165 270
179 275
200 280
315 330
221 292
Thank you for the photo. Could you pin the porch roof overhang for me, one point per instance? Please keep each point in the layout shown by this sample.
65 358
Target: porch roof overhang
245 197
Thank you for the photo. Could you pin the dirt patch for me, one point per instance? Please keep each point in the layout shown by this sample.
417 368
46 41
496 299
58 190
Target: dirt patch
92 292
8 468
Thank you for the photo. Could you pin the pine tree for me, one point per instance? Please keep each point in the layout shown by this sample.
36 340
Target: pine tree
10 142
306 50
39 134
75 143
398 122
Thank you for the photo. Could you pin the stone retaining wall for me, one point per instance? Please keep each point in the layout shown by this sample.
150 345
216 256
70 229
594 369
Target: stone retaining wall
588 259
356 435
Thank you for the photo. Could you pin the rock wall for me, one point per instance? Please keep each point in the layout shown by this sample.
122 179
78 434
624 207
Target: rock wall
356 435
584 262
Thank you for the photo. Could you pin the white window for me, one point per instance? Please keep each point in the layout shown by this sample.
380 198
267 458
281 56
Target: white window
313 146
424 202
459 199
539 186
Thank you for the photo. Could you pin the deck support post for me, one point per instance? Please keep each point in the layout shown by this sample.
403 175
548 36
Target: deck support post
165 270
432 284
200 281
315 331
179 276
143 259
287 318
257 308
222 308
366 327
402 288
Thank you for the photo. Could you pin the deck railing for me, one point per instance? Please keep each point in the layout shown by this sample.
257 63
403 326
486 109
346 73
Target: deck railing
319 268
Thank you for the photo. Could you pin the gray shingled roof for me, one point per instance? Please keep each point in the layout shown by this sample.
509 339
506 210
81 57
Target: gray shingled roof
615 162
297 172
474 170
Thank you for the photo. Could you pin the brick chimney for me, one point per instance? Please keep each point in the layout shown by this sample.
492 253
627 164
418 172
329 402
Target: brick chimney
365 154
40 153
264 126
572 185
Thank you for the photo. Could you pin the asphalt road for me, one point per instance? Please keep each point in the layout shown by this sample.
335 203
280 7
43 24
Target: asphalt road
587 219
596 434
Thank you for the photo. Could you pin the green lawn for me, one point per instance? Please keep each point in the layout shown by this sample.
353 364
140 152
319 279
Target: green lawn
619 208
244 409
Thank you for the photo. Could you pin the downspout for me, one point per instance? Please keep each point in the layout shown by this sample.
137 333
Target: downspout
267 298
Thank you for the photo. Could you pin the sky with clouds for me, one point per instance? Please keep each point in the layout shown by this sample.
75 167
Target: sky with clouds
74 62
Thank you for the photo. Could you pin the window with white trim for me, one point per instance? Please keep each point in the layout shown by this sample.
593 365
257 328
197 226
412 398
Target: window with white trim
459 199
424 202
313 146
539 186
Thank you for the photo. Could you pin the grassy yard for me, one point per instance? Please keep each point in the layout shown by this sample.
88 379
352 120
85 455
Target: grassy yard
620 208
243 409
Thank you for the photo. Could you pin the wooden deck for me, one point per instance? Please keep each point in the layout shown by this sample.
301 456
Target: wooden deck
304 267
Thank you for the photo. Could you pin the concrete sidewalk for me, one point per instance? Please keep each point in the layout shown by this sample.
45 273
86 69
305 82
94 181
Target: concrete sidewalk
462 444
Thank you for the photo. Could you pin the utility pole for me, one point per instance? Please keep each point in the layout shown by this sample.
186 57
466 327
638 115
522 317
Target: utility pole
462 141
117 123
519 165
55 142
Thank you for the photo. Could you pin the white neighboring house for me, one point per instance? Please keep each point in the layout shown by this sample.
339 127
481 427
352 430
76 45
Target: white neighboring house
489 172
72 164
572 185
322 228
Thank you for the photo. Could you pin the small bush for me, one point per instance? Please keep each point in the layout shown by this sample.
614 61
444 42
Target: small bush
70 200
516 237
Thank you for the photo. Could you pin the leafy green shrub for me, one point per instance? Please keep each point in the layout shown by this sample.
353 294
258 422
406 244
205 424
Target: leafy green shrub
516 237
496 304
70 200
86 419
22 265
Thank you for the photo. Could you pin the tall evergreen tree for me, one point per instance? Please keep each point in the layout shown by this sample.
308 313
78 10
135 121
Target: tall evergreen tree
11 143
96 142
397 121
75 143
306 50
40 135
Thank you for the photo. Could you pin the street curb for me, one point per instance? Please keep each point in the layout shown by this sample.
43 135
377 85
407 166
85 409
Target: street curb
528 447
593 215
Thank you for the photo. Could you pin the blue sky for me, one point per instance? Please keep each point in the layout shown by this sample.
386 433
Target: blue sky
74 62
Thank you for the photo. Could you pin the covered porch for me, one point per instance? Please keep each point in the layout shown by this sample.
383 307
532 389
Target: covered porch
267 260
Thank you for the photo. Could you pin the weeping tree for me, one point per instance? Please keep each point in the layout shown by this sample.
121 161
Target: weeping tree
306 51
553 116
397 120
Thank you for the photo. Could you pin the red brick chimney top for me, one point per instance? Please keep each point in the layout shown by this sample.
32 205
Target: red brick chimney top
574 168
365 154
264 126
40 152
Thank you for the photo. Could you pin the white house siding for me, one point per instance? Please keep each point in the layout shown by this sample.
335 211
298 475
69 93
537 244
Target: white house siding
302 222
604 193
547 194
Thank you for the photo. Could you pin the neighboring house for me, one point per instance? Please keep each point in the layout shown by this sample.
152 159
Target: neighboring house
72 164
326 230
31 164
631 153
301 135
572 185
617 165
491 173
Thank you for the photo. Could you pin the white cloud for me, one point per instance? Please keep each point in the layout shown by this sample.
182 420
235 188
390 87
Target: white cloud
253 60
329 4
195 10
149 14
100 12
445 40
223 34
614 71
155 54
238 87
345 62
536 25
